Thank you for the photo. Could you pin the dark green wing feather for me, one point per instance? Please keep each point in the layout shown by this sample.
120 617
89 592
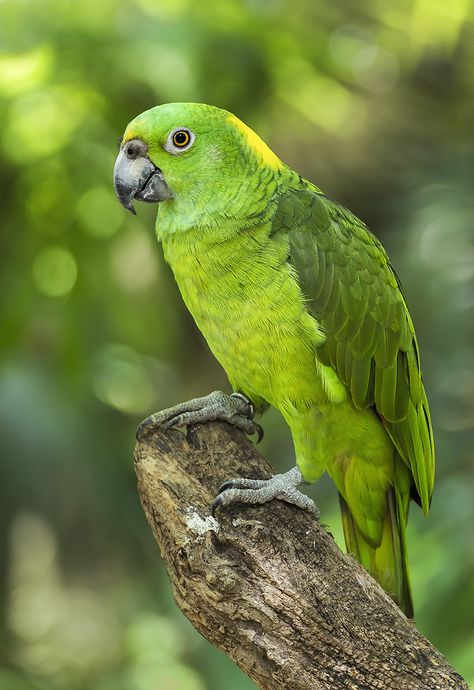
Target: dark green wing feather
355 295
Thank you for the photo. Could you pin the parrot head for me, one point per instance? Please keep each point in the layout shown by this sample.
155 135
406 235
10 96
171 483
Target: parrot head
190 154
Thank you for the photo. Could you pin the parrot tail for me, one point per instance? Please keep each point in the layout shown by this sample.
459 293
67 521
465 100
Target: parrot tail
387 562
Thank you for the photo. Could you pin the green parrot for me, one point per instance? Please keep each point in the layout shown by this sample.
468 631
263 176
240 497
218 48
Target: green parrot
299 303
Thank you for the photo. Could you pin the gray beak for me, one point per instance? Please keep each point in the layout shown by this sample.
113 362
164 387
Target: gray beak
136 177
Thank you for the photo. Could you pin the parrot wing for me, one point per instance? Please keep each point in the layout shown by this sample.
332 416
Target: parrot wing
355 295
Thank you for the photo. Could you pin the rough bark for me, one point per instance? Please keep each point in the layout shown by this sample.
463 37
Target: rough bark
268 585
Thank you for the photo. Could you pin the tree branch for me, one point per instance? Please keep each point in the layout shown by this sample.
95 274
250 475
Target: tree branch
268 585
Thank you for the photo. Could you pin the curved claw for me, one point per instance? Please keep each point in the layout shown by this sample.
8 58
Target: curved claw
215 505
143 427
229 484
259 432
242 483
174 421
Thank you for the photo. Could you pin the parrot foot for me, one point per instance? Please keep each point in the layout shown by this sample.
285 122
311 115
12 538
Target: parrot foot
235 409
258 491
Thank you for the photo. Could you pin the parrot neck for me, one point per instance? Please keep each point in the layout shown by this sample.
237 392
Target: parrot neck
220 211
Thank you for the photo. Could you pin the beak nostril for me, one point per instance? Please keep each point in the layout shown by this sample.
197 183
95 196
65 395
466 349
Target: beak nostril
131 151
134 149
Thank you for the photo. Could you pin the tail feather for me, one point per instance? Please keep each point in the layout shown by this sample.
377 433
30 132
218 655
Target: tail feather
387 562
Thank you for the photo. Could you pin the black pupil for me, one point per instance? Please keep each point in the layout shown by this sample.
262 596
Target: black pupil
181 138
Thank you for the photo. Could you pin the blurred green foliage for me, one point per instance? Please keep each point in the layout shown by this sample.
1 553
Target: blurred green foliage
375 103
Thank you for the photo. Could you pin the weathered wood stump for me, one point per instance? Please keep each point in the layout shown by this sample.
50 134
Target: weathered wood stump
268 585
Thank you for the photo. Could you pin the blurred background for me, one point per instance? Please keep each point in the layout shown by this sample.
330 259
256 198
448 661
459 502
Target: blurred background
375 103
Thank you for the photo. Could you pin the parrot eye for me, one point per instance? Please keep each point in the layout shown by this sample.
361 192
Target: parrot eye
179 140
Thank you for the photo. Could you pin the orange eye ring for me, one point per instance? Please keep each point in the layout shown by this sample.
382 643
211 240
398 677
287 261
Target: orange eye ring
181 138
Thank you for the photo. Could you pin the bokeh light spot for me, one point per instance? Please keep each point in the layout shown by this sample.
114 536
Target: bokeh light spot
21 72
122 380
134 261
99 212
42 122
376 69
55 271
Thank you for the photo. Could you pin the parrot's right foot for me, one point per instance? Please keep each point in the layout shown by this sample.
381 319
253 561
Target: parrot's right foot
259 491
235 409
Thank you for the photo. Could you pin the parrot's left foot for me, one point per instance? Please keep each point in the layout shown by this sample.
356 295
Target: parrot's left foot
258 491
235 409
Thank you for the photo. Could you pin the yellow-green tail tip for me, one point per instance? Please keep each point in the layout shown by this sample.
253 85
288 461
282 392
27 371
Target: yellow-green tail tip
387 561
